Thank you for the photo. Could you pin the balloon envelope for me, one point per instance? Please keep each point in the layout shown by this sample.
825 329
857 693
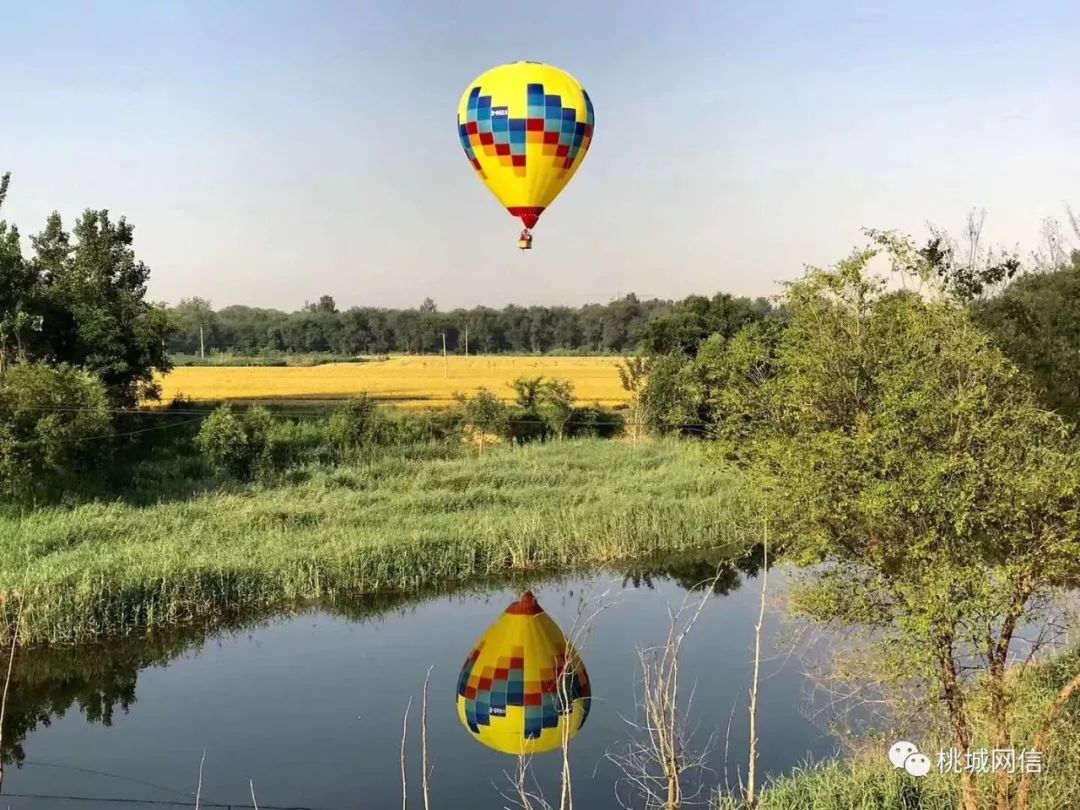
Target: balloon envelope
525 128
523 685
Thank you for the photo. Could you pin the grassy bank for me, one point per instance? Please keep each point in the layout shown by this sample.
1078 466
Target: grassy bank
386 523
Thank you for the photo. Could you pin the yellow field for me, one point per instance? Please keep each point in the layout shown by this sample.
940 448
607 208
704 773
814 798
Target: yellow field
405 381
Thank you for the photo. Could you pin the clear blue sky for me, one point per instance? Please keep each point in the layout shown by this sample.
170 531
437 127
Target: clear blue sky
269 152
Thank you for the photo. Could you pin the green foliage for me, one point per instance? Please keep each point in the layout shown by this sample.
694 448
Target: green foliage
556 405
19 292
47 414
194 324
911 458
709 395
397 520
966 274
1036 322
685 328
95 311
527 391
595 422
669 402
356 424
239 446
485 414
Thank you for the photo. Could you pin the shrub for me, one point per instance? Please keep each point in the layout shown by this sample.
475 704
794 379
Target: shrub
594 421
526 425
485 415
557 405
527 391
52 422
356 424
237 446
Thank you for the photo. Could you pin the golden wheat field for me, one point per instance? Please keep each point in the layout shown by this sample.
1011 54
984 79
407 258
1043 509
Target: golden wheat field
404 381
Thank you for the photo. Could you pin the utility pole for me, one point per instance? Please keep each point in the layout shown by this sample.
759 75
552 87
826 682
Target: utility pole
446 362
466 339
202 346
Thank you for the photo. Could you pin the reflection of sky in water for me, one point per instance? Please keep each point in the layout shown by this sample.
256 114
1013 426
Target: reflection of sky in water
311 708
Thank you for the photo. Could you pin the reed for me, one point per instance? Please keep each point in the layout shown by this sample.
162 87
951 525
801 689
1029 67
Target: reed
386 523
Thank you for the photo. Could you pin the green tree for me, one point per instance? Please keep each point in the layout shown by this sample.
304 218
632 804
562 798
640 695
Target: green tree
527 391
634 377
96 314
669 401
19 293
911 463
556 404
53 421
355 424
196 323
1036 321
236 445
685 328
485 414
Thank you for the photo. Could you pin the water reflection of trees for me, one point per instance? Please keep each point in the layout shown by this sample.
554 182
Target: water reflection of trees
99 680
695 572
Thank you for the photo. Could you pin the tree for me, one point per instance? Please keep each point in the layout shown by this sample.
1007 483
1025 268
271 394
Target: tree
237 446
195 321
52 422
634 376
95 310
19 291
686 327
427 307
556 404
1036 322
485 415
527 391
965 272
325 303
911 462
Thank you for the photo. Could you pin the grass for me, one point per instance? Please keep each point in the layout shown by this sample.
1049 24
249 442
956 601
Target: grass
415 381
385 523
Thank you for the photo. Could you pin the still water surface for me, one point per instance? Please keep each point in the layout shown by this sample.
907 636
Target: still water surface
310 706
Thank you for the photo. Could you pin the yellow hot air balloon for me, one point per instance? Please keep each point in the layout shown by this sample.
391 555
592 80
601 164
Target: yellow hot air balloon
523 684
525 128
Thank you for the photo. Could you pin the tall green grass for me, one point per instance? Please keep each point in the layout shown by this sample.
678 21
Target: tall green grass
390 522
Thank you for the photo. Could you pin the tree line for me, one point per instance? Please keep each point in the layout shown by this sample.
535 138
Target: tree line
621 326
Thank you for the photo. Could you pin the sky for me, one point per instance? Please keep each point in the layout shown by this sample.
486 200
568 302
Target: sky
269 152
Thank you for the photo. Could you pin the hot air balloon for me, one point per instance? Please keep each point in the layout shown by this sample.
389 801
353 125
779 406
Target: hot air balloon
523 685
525 128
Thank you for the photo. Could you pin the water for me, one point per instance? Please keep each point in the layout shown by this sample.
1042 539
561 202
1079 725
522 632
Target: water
310 706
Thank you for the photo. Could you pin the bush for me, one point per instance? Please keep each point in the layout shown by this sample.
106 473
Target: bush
526 425
557 405
48 415
356 424
237 446
485 416
595 422
420 428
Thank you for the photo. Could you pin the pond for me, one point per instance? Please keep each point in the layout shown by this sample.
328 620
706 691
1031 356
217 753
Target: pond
310 706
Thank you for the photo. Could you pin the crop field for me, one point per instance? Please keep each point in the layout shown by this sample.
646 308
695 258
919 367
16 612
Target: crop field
419 381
